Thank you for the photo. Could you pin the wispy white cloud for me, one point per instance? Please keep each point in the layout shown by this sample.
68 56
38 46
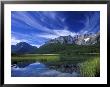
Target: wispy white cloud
14 40
30 21
90 23
64 32
55 33
29 38
48 36
37 45
47 32
50 14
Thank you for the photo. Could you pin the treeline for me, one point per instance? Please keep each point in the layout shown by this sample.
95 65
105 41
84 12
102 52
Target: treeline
65 49
68 49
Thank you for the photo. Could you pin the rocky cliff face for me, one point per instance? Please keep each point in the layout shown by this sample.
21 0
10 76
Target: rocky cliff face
85 39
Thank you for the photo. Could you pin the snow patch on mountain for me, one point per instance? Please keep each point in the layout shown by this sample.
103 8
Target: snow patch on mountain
86 39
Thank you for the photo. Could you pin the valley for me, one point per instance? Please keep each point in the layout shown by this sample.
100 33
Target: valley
64 54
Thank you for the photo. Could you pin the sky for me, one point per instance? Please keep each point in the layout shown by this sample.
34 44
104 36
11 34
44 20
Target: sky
37 27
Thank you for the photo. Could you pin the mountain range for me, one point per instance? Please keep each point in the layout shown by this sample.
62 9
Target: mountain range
23 48
51 45
85 39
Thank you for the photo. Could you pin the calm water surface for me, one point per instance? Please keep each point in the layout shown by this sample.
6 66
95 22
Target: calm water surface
37 69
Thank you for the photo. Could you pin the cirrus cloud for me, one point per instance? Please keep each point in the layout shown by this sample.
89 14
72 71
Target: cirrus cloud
37 27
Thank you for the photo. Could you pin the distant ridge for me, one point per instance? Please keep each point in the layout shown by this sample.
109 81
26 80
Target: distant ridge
57 44
85 39
22 48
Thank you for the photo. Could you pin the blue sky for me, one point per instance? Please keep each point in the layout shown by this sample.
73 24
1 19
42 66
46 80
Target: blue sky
37 27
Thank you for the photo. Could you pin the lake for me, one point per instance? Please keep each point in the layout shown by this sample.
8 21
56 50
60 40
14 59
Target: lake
38 69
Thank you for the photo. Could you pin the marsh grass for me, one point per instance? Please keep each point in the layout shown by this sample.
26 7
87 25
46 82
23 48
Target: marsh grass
89 65
90 68
37 57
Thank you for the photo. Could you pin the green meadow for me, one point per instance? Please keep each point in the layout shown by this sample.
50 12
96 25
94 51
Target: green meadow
36 57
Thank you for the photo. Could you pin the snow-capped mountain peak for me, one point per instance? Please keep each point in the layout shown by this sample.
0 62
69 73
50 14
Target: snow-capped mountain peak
85 39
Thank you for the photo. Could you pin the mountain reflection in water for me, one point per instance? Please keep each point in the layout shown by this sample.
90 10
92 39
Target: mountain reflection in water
38 69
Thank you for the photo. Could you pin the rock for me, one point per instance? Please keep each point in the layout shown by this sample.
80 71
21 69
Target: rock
84 39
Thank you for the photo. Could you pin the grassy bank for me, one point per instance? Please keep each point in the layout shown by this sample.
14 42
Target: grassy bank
90 68
35 57
89 64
